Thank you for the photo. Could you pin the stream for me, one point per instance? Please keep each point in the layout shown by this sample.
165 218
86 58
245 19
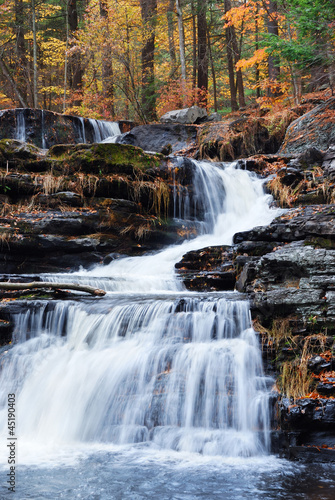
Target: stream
151 391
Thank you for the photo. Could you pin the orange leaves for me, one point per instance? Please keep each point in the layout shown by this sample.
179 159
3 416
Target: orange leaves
259 56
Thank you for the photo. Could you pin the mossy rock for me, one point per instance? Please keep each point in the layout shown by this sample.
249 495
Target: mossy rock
319 242
105 158
12 149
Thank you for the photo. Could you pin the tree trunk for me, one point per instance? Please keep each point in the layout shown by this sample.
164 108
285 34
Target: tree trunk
35 96
202 50
75 61
230 61
148 100
45 284
6 74
273 61
21 50
257 73
194 47
236 58
182 50
172 48
213 74
107 64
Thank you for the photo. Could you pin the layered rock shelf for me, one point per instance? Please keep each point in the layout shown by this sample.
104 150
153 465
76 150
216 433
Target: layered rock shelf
80 204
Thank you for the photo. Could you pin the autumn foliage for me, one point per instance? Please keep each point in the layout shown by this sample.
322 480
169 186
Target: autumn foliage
136 59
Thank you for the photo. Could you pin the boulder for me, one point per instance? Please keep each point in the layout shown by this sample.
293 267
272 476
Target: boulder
314 129
194 114
161 138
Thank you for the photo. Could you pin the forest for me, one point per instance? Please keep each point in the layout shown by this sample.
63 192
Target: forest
137 59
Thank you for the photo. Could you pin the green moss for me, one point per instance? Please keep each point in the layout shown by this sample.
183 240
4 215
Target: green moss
105 158
319 242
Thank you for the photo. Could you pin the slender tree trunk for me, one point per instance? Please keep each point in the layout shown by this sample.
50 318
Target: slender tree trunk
35 96
127 65
148 101
66 54
273 61
75 61
202 50
172 48
236 58
17 92
258 90
181 49
21 49
213 74
107 64
230 61
194 45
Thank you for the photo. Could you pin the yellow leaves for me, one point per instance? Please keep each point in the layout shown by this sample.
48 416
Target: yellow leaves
53 89
259 56
53 51
246 15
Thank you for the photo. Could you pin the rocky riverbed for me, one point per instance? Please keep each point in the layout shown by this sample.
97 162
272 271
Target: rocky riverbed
80 204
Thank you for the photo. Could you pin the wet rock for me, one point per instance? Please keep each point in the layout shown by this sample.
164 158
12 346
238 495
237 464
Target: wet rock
162 138
311 454
214 117
296 224
208 269
65 197
326 389
308 415
315 129
317 364
46 128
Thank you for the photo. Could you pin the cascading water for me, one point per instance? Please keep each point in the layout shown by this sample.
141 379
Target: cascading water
104 131
90 130
150 391
178 370
20 125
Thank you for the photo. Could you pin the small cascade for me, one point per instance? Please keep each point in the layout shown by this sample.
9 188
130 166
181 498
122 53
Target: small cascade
20 134
82 135
225 198
103 131
43 133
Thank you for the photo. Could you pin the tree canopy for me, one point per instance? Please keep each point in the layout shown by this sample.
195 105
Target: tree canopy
136 59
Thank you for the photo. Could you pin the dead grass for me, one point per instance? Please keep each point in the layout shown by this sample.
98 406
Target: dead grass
284 194
295 381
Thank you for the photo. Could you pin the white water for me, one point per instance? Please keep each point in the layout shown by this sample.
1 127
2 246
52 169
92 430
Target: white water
104 131
20 134
149 362
232 200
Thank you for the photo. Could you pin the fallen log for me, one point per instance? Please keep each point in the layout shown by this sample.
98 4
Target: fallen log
45 284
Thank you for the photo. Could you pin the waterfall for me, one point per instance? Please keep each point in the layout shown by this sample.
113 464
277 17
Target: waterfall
20 131
44 144
104 131
149 362
82 135
86 130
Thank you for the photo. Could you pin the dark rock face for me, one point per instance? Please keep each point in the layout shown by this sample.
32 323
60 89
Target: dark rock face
162 138
79 203
314 129
46 128
208 269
